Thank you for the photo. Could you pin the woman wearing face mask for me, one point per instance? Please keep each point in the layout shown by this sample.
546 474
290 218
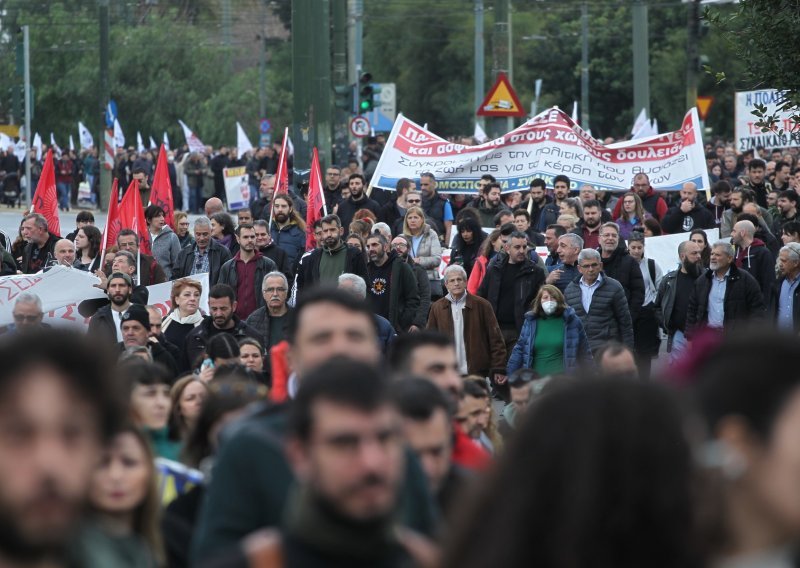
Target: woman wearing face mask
552 340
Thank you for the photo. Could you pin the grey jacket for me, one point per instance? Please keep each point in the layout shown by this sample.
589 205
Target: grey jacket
166 248
429 252
608 317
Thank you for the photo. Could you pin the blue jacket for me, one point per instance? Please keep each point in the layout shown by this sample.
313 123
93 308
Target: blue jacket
292 239
576 344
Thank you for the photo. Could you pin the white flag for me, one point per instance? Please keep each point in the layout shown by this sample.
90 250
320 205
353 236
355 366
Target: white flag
119 137
243 144
139 143
166 141
5 141
153 144
195 144
641 120
648 130
575 112
289 145
37 143
85 136
56 149
71 144
19 150
479 135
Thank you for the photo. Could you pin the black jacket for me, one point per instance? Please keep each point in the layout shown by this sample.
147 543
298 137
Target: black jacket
775 299
198 338
403 294
348 208
308 270
760 263
217 256
529 279
676 221
46 253
278 256
743 300
624 269
229 276
162 356
608 318
102 325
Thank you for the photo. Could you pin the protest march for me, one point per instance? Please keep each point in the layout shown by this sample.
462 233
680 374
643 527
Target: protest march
399 347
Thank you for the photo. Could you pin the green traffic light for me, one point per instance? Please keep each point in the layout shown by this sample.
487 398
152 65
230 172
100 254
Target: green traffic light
364 105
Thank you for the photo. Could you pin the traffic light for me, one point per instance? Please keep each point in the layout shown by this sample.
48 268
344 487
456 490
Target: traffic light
343 97
365 92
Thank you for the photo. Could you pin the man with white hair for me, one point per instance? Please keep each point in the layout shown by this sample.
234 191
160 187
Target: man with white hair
471 322
724 296
270 319
356 285
785 305
600 302
568 248
204 255
752 255
27 314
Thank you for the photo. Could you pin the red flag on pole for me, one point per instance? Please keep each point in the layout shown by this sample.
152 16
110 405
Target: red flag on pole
131 216
45 200
112 221
282 174
161 192
316 200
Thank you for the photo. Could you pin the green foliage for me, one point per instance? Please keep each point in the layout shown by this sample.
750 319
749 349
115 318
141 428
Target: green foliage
162 68
761 35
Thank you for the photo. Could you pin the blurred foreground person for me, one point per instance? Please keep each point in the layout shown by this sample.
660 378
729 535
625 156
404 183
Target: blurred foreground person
751 407
345 448
56 413
598 475
125 505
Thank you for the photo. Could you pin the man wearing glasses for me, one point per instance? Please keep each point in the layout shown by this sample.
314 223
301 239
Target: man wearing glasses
269 320
600 303
27 314
332 190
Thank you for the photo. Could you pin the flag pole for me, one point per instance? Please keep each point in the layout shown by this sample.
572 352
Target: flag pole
138 267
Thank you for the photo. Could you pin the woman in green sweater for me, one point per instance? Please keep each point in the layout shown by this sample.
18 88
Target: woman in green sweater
552 340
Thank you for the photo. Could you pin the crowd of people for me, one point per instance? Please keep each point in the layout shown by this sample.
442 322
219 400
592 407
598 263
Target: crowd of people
364 403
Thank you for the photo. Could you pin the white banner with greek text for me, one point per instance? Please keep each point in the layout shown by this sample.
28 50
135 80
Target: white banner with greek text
749 136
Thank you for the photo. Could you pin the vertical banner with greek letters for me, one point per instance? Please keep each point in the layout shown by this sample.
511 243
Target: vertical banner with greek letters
749 136
237 188
547 145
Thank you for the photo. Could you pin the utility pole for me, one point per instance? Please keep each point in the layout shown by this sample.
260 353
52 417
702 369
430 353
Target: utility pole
105 96
321 81
262 65
692 52
26 58
226 34
479 80
501 59
641 59
585 66
339 78
302 79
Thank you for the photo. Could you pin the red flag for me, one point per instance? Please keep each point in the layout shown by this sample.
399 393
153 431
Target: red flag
282 175
131 216
161 193
316 200
45 200
112 221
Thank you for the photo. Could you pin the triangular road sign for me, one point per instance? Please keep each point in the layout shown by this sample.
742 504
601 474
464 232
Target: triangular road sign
703 105
501 100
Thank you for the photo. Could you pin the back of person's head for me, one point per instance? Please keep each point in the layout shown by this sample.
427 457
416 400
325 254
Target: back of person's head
597 475
417 398
137 371
223 346
340 381
325 295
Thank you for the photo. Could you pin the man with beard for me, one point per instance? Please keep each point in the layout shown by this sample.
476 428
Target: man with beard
721 201
437 208
261 206
543 213
740 197
245 272
489 204
222 307
345 448
358 200
653 203
561 185
787 206
620 265
689 214
270 250
106 322
391 284
400 246
589 227
288 228
41 243
57 411
324 265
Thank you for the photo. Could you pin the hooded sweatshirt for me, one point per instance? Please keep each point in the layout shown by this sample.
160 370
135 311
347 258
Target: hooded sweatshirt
760 263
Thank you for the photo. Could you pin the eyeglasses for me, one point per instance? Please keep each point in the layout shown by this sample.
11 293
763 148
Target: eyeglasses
19 318
273 290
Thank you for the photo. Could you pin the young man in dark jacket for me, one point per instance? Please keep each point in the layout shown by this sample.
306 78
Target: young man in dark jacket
688 214
620 266
511 283
753 256
391 284
245 272
325 264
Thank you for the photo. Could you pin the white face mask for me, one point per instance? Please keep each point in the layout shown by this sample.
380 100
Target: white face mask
549 307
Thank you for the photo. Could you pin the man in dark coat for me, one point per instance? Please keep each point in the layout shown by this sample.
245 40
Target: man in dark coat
391 284
204 255
41 244
620 266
